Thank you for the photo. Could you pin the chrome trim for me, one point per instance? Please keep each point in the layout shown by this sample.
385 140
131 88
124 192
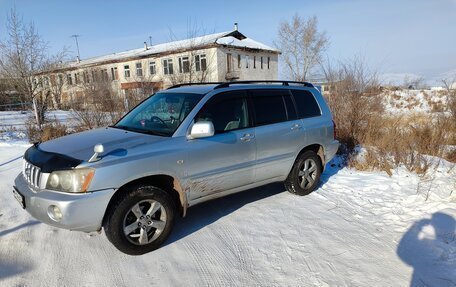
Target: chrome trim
32 174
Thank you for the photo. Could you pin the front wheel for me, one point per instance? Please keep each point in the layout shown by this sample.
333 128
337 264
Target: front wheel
305 174
140 220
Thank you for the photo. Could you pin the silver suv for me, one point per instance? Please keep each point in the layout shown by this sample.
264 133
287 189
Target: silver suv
180 147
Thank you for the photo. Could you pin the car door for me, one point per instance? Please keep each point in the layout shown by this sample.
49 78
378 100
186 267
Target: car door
316 129
226 160
278 132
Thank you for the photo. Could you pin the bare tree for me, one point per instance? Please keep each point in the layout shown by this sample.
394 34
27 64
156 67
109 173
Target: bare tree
57 83
194 65
98 103
413 82
23 57
302 46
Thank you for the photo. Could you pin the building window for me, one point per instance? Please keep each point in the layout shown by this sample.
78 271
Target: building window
228 62
85 77
184 65
59 79
200 63
95 75
239 61
269 60
168 66
127 71
139 71
247 59
152 68
69 80
114 74
261 62
76 78
104 74
254 62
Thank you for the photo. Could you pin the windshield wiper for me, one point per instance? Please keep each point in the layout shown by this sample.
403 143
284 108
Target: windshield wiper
149 132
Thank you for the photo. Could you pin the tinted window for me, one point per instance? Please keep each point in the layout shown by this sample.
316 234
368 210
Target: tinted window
227 111
291 111
306 104
269 107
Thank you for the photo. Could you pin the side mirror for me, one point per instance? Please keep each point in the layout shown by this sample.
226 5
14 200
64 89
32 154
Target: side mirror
201 129
97 149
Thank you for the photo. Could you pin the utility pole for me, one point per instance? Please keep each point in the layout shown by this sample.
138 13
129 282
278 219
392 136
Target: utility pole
77 45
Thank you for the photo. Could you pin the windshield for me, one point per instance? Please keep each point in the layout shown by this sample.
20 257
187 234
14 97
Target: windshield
161 114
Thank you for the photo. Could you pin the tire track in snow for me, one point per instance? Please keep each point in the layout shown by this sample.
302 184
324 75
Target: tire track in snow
236 246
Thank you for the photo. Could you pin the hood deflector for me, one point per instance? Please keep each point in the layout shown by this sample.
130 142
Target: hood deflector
49 161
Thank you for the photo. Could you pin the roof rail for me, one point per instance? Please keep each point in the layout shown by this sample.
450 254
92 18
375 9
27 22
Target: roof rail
194 84
284 83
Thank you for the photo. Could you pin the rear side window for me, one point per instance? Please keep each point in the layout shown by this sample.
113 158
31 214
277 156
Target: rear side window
269 107
291 111
306 104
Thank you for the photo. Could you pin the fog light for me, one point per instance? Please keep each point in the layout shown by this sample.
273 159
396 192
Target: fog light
55 213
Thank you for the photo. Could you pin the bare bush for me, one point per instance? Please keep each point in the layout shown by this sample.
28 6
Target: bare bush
49 130
354 99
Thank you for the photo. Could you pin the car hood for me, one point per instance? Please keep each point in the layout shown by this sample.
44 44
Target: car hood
115 142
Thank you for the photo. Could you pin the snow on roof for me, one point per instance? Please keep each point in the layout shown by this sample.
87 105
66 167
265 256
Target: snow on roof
244 43
229 38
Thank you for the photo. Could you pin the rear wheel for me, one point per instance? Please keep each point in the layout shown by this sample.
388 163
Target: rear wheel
140 220
305 174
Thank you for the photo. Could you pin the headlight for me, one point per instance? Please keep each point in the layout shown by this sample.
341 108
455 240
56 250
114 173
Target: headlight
74 180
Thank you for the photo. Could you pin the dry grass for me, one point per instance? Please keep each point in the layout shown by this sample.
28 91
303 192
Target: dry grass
405 141
49 130
389 141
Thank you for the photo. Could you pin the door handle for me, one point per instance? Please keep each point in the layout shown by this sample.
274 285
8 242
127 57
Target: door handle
295 127
247 137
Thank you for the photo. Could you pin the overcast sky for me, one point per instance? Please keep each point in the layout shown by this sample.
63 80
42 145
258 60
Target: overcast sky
395 37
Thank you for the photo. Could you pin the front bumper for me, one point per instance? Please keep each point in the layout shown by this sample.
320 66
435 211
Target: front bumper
81 212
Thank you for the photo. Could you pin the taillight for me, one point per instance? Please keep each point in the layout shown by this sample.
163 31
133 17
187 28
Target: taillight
335 133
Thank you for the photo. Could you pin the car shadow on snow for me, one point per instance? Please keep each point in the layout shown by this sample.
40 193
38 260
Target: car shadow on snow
332 168
429 247
13 229
203 214
12 268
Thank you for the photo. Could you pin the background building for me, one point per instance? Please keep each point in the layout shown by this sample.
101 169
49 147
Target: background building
218 57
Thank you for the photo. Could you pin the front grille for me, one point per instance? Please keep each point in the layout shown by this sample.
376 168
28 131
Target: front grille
32 174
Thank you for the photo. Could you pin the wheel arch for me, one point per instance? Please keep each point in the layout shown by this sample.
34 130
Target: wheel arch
318 149
166 182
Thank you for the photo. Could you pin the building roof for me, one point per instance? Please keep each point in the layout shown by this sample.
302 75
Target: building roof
230 39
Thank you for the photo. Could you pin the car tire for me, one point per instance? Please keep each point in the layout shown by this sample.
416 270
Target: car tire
305 174
140 219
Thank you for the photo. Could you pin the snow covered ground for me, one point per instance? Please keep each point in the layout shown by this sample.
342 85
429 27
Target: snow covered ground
357 229
13 123
403 102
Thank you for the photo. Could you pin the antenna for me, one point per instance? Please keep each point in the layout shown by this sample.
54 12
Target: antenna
77 45
150 40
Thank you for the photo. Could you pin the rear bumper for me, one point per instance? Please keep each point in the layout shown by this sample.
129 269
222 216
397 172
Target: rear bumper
82 212
331 150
